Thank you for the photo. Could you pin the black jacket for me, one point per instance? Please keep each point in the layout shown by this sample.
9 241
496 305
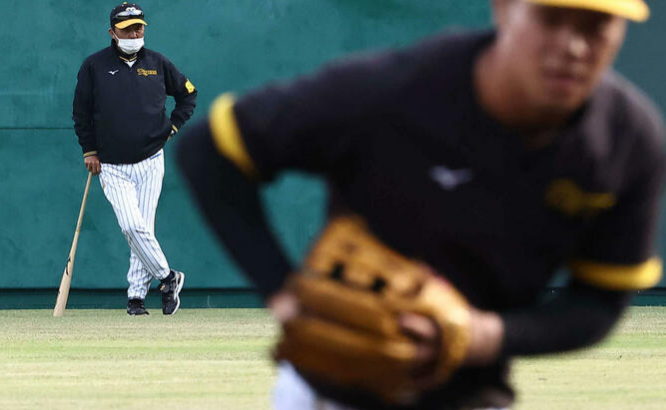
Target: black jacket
119 111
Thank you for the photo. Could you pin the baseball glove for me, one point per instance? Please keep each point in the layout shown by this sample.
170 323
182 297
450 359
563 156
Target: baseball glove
352 291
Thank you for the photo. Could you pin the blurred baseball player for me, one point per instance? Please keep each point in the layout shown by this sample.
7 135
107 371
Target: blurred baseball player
494 158
122 126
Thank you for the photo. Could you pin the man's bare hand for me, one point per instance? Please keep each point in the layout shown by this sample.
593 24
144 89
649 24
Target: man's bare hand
283 306
486 331
93 164
487 334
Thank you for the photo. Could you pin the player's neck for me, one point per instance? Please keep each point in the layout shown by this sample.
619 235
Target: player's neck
502 98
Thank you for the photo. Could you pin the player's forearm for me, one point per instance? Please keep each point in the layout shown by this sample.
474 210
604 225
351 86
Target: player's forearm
232 206
83 125
86 136
184 109
579 317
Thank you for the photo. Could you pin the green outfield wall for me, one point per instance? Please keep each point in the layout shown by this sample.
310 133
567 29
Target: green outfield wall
223 45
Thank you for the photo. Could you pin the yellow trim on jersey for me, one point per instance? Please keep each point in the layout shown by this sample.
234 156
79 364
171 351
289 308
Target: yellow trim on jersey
174 128
128 59
618 277
89 154
227 136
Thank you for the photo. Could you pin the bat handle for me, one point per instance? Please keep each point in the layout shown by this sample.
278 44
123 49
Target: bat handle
83 202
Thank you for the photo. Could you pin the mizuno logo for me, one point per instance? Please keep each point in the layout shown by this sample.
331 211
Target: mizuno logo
113 72
449 179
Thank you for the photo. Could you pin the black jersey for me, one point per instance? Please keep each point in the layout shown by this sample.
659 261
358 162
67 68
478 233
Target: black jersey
402 141
119 110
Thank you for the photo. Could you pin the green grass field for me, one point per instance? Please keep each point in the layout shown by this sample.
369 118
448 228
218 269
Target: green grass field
218 359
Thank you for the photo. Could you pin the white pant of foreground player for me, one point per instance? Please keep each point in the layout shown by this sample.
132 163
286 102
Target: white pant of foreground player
134 190
292 392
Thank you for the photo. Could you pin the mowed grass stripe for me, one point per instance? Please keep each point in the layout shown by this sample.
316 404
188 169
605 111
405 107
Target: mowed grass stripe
220 359
625 372
103 359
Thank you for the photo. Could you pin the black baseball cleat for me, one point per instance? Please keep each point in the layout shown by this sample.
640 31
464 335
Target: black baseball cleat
170 288
135 307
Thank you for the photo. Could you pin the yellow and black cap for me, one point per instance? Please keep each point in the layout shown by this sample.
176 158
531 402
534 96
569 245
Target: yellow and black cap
636 10
126 14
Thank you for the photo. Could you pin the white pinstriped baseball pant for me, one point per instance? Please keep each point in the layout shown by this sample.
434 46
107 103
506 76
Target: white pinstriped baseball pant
292 392
133 191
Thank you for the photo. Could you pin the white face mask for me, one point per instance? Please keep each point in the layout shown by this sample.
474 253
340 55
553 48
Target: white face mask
129 45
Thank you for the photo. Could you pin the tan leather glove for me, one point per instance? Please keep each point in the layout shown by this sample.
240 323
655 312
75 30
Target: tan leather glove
351 292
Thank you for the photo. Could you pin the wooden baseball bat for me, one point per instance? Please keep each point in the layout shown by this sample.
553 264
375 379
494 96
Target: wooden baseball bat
63 291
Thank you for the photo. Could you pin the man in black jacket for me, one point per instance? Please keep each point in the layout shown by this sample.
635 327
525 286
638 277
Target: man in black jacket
121 122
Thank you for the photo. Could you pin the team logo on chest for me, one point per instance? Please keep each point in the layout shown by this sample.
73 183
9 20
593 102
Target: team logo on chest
568 198
145 73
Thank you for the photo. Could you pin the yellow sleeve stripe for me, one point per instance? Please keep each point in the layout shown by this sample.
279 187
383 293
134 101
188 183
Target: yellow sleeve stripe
89 154
227 136
618 277
173 127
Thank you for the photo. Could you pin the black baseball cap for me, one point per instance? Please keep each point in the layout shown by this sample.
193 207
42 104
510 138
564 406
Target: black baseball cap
126 14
